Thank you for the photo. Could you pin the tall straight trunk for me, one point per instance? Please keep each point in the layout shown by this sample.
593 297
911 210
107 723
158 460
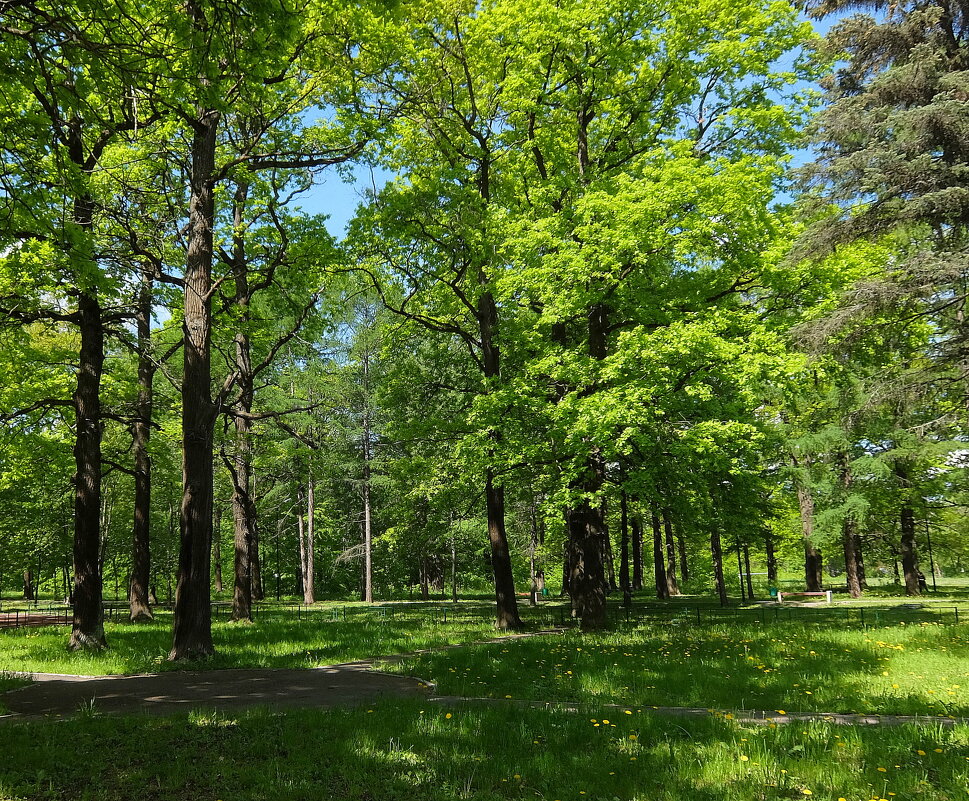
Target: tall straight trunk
309 569
193 612
849 532
637 538
769 547
907 545
750 583
367 594
813 562
217 549
505 601
716 550
87 630
139 606
301 538
255 561
681 550
659 559
860 554
566 561
29 594
624 582
608 557
672 585
243 506
533 589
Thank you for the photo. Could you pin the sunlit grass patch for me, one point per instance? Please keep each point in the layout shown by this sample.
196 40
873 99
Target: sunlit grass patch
912 670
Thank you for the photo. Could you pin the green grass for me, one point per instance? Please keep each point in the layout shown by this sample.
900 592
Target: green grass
423 752
910 670
276 640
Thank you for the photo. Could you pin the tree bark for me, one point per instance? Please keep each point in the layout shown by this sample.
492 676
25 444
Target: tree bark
681 549
908 548
813 563
309 569
637 537
771 558
587 582
217 549
716 551
659 559
672 586
849 531
139 606
750 584
367 594
193 612
624 582
87 631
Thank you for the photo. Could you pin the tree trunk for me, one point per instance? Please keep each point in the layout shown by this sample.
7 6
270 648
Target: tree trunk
139 607
771 558
255 562
309 590
750 584
506 602
716 552
587 582
608 558
908 548
813 562
659 559
367 594
301 537
217 550
637 535
672 585
681 548
624 582
849 531
193 611
87 631
29 594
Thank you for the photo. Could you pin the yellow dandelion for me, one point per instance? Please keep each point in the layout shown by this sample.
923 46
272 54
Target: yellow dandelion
744 758
448 716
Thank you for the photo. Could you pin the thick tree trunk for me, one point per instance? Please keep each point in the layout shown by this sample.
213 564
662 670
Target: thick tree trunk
29 594
637 536
908 548
506 602
672 585
193 611
139 606
624 582
87 631
587 582
659 558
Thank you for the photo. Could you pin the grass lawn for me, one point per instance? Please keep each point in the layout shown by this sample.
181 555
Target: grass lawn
424 750
278 639
908 670
419 751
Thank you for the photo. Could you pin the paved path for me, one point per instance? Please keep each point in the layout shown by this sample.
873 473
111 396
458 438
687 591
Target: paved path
182 691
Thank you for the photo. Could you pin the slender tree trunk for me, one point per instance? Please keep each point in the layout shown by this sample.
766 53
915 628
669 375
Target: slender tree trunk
193 611
659 561
849 531
367 594
813 562
532 563
771 558
29 594
637 535
908 548
624 582
610 561
87 631
309 590
860 554
672 586
716 552
750 584
217 549
566 561
139 606
681 549
258 591
301 537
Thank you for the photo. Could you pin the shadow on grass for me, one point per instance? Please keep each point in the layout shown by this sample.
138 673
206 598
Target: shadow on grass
420 752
